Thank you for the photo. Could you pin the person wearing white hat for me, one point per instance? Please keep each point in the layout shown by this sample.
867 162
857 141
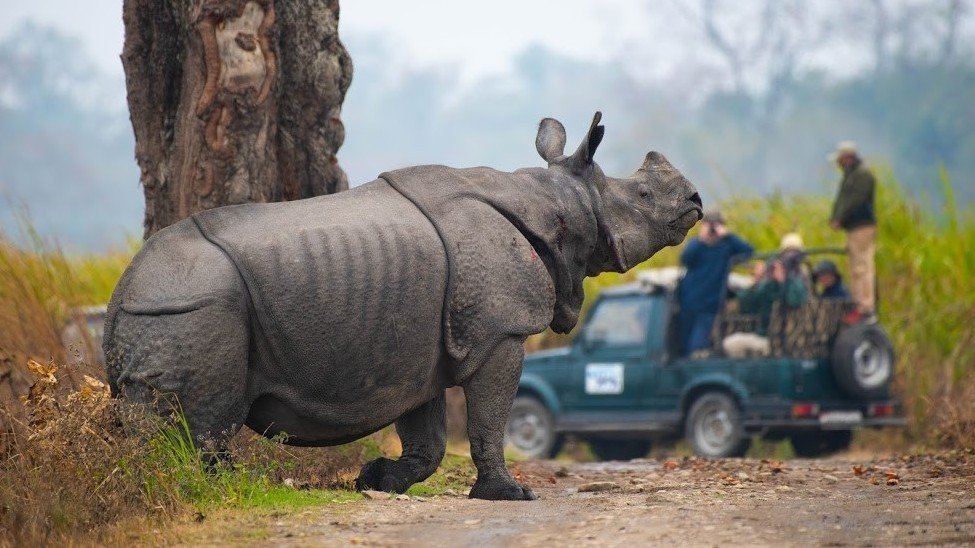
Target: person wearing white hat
854 213
791 241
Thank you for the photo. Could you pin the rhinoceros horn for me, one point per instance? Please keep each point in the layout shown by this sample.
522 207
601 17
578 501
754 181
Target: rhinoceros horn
582 158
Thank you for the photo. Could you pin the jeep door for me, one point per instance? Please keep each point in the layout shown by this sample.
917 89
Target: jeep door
613 370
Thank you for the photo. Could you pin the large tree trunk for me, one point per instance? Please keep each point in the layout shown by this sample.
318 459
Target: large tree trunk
234 101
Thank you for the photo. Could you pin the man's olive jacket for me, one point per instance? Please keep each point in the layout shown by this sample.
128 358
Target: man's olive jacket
854 206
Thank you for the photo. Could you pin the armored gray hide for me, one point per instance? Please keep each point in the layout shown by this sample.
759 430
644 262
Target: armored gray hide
329 318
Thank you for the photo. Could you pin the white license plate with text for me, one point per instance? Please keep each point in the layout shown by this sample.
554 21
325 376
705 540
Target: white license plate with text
604 378
830 418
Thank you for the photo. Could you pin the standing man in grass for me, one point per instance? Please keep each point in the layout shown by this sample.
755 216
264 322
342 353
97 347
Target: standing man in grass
853 212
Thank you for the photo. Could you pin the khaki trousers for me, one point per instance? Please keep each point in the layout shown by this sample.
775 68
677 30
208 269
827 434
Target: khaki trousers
860 246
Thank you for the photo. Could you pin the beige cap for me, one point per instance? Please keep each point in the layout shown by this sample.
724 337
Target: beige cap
843 148
791 240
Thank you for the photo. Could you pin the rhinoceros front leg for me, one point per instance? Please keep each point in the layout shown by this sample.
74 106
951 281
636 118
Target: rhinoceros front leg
423 433
490 391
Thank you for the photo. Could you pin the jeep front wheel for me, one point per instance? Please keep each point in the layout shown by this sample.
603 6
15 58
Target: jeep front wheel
713 427
531 429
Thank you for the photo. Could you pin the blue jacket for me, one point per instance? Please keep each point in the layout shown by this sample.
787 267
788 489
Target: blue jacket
707 272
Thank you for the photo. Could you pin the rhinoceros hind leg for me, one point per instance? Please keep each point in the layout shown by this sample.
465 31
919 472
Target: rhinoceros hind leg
423 432
490 392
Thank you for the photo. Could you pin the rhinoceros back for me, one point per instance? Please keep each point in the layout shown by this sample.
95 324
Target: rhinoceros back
347 292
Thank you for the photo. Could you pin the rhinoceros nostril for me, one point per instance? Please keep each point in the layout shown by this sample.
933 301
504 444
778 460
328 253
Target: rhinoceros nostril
696 198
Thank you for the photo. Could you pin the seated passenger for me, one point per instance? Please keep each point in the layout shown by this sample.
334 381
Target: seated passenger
827 276
792 252
777 285
772 284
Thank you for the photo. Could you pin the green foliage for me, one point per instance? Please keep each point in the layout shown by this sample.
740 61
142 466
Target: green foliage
456 472
180 472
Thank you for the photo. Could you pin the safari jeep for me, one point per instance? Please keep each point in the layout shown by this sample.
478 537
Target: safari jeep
620 385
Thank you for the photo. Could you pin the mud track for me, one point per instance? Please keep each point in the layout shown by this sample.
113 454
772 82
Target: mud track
898 501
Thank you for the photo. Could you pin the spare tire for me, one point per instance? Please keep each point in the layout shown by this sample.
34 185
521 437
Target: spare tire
863 360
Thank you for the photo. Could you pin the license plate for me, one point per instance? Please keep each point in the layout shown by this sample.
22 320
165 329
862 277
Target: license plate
837 418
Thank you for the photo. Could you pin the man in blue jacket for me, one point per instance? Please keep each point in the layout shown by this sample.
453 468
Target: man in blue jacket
707 259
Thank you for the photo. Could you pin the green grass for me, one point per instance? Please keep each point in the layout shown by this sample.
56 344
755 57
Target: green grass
281 497
179 473
455 473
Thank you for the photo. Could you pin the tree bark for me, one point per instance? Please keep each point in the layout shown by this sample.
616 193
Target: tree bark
234 101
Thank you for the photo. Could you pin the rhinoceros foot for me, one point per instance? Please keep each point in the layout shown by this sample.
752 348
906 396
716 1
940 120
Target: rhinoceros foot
386 475
501 489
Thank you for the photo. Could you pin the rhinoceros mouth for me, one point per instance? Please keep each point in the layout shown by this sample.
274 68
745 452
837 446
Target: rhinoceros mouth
687 219
683 223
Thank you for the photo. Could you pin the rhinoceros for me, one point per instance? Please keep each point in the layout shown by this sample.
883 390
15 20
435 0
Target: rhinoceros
326 319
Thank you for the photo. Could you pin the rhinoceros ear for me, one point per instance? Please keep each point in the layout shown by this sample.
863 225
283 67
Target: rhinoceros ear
582 157
550 141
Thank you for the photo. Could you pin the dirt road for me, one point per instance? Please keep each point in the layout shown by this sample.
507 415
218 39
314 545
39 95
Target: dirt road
902 501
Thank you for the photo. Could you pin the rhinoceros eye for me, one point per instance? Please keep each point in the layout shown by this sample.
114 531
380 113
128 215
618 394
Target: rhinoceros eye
644 190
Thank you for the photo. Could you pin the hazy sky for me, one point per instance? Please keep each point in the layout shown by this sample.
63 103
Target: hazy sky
479 38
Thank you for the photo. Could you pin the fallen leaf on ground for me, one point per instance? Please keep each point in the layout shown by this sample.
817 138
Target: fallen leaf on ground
729 480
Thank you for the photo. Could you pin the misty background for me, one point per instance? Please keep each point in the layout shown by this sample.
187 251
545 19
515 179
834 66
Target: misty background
746 97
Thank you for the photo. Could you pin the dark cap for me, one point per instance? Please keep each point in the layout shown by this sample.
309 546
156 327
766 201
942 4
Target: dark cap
713 216
824 266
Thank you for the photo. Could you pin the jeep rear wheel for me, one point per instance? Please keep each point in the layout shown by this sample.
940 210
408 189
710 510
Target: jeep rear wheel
713 427
820 443
619 449
531 429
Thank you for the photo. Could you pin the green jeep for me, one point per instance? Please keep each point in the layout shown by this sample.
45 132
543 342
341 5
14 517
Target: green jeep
619 385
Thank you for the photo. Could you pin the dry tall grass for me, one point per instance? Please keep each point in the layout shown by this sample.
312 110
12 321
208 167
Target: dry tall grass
40 288
68 465
74 462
